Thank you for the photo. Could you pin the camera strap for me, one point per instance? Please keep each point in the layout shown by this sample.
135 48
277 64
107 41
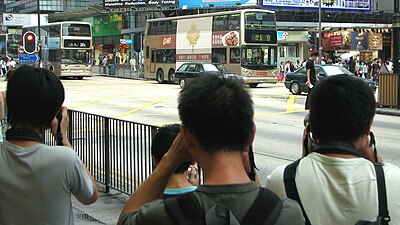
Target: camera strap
336 147
23 134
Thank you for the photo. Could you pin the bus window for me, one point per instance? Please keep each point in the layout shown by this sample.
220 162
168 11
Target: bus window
147 52
76 30
153 28
219 55
54 55
234 22
161 27
235 55
166 56
260 21
220 23
55 31
171 27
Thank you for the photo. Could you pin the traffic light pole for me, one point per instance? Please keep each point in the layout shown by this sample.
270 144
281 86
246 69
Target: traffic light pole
319 42
39 41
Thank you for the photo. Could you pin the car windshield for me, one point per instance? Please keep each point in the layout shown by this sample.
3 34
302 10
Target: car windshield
210 68
336 70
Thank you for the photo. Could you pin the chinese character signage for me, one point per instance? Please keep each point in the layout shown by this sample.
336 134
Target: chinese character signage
352 5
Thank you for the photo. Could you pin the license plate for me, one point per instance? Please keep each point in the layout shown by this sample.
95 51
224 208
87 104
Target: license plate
262 73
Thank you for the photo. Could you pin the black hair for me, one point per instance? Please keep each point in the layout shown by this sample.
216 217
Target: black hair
341 109
218 112
162 141
314 54
34 96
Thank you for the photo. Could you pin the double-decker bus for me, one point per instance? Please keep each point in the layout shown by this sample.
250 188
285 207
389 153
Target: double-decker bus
66 48
245 41
9 44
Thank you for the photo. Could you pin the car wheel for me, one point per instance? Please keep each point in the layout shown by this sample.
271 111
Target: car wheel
170 73
182 83
160 76
253 85
295 88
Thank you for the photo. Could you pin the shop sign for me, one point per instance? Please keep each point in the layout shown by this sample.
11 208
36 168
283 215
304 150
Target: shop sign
139 3
107 25
335 40
345 40
126 41
348 5
283 35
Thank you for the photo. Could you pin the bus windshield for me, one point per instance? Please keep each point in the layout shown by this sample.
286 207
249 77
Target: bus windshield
69 29
75 56
13 43
260 21
3 45
259 57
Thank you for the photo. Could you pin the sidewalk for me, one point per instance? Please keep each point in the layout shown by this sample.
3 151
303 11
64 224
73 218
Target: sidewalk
105 210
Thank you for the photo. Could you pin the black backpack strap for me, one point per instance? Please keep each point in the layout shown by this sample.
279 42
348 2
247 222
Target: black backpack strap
383 216
265 209
291 188
185 209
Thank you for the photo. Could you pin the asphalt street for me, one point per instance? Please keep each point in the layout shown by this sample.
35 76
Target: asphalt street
278 114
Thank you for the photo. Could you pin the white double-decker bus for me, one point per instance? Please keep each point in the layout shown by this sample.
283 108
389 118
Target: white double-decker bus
245 41
66 48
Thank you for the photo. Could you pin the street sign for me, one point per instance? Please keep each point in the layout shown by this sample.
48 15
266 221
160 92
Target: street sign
28 58
21 49
126 41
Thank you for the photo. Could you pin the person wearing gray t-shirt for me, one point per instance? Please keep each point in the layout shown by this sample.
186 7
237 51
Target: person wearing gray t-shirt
37 180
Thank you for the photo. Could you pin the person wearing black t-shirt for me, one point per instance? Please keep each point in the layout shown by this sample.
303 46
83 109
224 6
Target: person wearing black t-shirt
311 76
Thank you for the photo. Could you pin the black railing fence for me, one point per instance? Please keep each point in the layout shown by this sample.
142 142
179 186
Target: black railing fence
116 152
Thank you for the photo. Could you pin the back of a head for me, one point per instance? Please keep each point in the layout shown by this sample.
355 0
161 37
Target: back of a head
34 96
162 141
341 109
218 111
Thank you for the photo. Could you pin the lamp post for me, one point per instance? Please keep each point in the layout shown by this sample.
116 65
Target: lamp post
396 46
39 34
319 32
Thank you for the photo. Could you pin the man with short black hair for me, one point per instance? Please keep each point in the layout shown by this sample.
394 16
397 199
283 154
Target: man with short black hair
217 129
336 181
312 78
178 183
37 180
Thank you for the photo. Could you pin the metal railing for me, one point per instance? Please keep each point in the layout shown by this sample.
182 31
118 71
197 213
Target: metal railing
116 152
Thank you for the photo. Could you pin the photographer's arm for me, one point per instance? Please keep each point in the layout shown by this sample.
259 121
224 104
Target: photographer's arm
153 187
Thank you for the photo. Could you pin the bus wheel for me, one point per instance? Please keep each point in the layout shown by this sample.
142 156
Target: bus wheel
170 73
160 76
182 83
253 85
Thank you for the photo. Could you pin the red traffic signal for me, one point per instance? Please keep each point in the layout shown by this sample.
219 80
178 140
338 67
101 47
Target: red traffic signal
29 42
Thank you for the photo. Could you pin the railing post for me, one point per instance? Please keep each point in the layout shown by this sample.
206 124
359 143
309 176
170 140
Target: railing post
106 136
70 125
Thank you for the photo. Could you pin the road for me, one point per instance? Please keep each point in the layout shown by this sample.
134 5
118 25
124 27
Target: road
278 115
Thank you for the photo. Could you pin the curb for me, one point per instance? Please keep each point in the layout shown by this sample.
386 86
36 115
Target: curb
388 112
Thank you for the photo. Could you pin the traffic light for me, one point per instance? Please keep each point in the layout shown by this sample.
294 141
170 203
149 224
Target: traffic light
137 42
29 42
312 41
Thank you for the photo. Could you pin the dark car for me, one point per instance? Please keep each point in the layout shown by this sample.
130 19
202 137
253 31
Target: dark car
296 81
190 70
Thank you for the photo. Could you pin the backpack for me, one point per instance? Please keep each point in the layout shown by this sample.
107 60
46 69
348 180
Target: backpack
186 210
340 148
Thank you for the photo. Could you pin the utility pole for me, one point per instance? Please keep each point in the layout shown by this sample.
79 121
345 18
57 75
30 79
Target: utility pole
396 47
39 47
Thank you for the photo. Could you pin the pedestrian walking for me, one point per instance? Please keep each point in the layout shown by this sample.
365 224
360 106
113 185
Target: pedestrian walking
311 76
104 64
132 63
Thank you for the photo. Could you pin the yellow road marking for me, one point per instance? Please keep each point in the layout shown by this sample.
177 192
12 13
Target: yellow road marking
143 107
290 103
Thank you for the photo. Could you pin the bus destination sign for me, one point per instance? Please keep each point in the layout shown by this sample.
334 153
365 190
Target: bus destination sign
76 44
139 3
